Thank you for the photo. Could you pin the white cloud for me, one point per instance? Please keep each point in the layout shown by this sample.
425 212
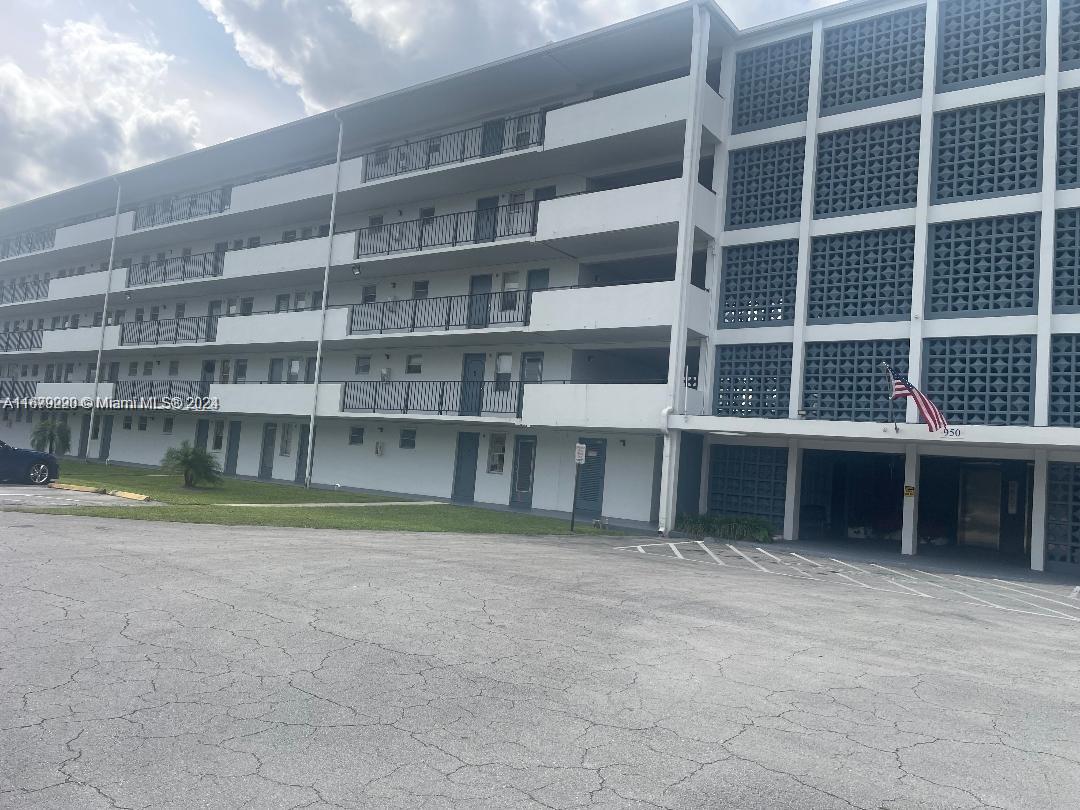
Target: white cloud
99 107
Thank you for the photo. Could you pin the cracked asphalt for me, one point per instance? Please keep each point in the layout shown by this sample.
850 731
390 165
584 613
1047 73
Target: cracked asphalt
172 666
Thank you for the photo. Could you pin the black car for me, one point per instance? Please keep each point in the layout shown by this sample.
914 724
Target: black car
30 466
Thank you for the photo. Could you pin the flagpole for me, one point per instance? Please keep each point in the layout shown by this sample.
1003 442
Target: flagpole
887 371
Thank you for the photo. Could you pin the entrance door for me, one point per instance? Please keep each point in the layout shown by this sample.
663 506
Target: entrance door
113 373
300 476
521 483
468 450
232 447
202 431
209 368
980 505
266 456
479 300
472 385
487 212
213 313
84 435
106 437
492 137
590 499
532 371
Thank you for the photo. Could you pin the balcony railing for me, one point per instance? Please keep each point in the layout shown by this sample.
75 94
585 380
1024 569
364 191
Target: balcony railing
491 138
200 329
20 341
33 290
17 389
160 389
447 230
179 207
177 268
27 242
451 397
510 308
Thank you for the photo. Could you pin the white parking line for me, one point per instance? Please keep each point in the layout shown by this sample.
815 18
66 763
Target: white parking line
849 565
806 559
708 551
967 595
753 562
892 571
1009 587
794 568
906 588
675 549
1023 601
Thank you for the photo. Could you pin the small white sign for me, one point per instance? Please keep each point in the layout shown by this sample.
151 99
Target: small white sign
579 453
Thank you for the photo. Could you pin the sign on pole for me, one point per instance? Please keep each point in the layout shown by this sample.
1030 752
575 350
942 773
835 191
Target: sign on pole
579 453
579 460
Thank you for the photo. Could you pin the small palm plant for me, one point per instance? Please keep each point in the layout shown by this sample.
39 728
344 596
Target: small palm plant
195 464
52 436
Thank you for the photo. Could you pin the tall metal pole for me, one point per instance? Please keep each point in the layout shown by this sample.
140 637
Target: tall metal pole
105 310
325 300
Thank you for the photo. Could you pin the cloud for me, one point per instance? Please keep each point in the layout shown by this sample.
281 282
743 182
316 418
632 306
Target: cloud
100 107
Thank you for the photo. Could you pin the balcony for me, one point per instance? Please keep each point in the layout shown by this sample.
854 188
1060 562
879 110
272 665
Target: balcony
21 341
180 207
448 230
637 405
160 389
487 140
73 390
443 313
178 268
32 241
16 293
433 397
199 329
291 399
17 389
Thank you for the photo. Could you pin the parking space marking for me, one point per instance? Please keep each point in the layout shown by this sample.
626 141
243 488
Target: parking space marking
806 559
753 562
676 551
1024 601
709 551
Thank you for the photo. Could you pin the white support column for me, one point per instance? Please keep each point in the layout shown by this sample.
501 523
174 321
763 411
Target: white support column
684 255
793 491
922 205
1046 229
703 493
909 537
802 278
1038 508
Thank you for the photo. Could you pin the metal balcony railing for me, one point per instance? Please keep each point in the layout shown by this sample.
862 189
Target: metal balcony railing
33 290
17 389
491 138
160 389
446 230
25 242
178 207
177 268
20 341
453 397
200 329
510 308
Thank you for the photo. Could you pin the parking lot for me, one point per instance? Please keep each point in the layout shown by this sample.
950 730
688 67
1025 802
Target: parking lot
168 666
26 495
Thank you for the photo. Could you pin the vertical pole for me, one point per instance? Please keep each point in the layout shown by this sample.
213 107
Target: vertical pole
792 491
1038 511
104 314
909 534
573 504
325 300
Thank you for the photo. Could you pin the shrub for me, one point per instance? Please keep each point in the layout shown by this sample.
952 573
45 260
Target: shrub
194 463
51 436
725 527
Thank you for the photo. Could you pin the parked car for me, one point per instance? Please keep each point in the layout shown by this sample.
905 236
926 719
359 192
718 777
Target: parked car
31 466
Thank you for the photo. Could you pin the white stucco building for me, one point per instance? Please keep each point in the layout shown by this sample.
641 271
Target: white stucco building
689 246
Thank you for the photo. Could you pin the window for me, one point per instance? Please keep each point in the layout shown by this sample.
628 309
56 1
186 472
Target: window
155 313
133 369
420 289
148 368
97 319
407 439
219 434
375 221
139 315
294 370
238 244
305 233
324 229
277 368
240 371
413 363
356 435
504 364
143 422
167 424
181 309
286 439
127 421
288 236
174 368
254 241
496 453
300 301
281 303
511 283
225 372
247 305
367 294
363 364
231 305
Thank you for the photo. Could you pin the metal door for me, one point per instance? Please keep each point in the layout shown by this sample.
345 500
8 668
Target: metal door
479 300
523 472
487 214
472 385
84 435
492 137
468 451
590 499
232 447
106 437
266 456
213 313
300 476
980 506
202 431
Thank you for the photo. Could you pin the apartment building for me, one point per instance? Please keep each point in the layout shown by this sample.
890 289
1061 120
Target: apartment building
687 246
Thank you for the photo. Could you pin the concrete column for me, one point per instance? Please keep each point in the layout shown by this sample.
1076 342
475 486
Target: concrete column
703 493
1046 224
802 277
793 491
909 537
669 481
1038 510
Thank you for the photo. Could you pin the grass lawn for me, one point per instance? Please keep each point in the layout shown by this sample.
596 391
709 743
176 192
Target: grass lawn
170 489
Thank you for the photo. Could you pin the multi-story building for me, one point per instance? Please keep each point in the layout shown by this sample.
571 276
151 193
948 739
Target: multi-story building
688 246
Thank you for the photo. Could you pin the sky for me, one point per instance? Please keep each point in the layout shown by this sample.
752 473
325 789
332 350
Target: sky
92 87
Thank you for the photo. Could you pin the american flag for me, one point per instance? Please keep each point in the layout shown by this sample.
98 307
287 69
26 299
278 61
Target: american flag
902 388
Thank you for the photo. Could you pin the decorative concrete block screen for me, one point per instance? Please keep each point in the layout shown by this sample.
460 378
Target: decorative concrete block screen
983 265
982 380
1067 260
758 283
1065 380
988 40
765 184
1063 517
772 84
747 480
988 150
867 168
1068 150
873 61
845 381
1070 34
861 276
753 379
